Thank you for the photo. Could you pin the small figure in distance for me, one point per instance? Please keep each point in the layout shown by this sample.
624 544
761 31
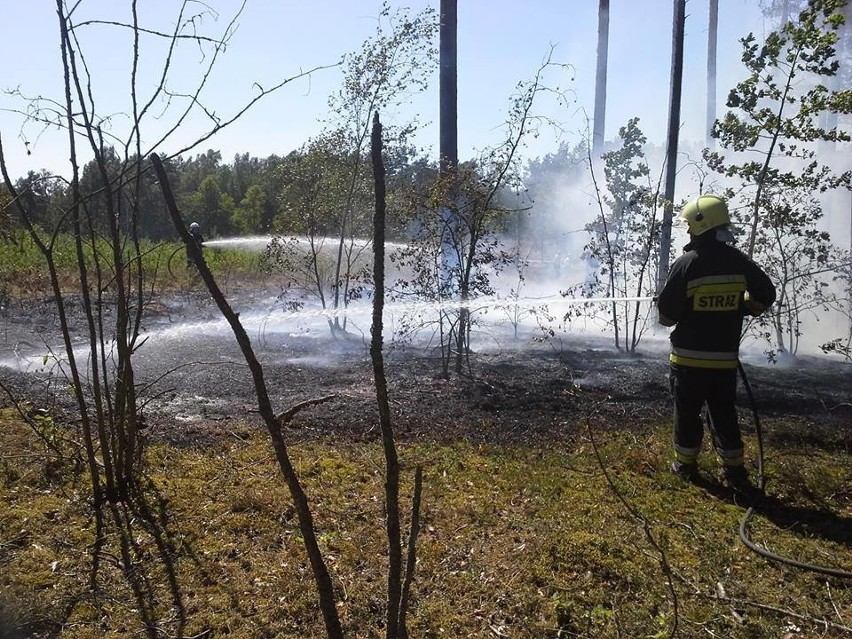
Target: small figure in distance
195 231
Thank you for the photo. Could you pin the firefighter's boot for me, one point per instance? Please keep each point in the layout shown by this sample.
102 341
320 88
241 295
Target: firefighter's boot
687 472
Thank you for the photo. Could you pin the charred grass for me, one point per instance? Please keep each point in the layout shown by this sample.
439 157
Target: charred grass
515 542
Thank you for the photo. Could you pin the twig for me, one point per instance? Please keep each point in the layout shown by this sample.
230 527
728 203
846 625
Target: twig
833 605
770 608
288 414
411 562
136 28
646 527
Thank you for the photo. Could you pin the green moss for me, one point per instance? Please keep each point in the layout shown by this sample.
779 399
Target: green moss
520 541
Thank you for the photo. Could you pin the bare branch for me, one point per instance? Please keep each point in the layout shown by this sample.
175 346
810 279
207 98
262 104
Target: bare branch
224 123
411 558
290 413
322 578
137 29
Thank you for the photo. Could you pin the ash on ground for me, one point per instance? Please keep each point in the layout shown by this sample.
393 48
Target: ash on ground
195 386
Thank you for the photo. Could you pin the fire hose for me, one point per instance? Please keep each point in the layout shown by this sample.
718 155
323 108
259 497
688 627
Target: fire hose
761 486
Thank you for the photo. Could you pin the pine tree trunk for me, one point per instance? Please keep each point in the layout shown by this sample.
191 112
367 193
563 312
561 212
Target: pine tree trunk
712 38
449 154
600 78
673 131
448 87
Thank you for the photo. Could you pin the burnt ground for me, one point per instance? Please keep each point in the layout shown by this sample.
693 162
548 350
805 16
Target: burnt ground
197 387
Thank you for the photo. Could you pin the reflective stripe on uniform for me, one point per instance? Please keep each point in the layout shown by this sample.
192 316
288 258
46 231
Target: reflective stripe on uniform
734 281
686 455
731 458
703 359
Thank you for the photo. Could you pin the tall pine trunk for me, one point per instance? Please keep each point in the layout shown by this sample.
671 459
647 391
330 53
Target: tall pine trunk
712 39
672 144
449 159
448 87
600 79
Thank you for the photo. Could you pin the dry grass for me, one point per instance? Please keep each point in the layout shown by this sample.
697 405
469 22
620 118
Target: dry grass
515 542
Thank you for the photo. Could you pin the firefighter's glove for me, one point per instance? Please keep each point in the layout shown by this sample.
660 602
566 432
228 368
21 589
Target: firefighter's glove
752 307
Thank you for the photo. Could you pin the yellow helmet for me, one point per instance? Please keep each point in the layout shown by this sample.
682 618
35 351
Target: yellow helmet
705 213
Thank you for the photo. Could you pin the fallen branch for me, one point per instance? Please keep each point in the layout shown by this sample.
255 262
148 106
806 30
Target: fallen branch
769 608
291 412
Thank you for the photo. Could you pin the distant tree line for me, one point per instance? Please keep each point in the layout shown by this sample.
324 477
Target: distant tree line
250 195
276 195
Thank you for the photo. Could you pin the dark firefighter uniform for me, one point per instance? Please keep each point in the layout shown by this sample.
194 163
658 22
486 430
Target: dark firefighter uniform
195 232
708 291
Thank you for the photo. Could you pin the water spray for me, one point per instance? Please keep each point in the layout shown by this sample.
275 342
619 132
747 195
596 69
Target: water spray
253 242
475 304
260 242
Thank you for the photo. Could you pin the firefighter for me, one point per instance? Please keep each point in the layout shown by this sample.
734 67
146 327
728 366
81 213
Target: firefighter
195 231
708 291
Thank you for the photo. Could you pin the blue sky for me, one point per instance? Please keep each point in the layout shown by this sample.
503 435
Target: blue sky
500 42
